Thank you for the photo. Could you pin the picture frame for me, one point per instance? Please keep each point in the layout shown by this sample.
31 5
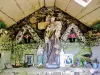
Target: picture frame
68 59
29 59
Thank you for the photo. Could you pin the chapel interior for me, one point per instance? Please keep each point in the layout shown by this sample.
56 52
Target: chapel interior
49 37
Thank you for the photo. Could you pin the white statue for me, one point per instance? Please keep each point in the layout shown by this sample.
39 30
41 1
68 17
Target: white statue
62 58
40 56
40 50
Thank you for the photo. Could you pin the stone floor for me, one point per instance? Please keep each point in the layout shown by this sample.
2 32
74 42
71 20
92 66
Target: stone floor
60 71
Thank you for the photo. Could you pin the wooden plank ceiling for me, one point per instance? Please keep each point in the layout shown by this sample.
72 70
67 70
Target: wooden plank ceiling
11 11
87 15
14 10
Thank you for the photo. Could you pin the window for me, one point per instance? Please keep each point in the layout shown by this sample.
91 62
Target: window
84 3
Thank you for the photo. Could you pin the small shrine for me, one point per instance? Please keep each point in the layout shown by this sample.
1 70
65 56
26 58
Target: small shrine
48 42
26 34
73 32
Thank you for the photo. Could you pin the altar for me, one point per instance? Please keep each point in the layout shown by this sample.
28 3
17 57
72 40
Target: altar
60 71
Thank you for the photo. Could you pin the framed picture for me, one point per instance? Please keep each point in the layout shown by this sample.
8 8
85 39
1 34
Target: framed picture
29 58
68 59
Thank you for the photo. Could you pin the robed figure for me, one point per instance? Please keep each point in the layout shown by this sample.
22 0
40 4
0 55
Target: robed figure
52 44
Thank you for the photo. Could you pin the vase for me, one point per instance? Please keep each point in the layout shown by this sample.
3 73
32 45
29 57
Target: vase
98 65
94 65
85 64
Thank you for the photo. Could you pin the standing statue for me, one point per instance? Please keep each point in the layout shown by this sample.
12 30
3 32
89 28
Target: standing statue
52 44
40 56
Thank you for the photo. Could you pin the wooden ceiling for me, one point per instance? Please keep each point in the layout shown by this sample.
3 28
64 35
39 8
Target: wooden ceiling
11 11
87 15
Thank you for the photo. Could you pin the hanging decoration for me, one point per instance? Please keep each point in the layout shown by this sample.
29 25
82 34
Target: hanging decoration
77 31
19 36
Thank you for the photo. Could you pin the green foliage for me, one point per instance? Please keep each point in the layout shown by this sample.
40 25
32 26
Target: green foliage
20 50
6 46
40 67
4 38
92 39
2 25
96 26
84 51
5 42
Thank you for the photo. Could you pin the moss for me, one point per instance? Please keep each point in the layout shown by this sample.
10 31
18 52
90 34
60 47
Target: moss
40 67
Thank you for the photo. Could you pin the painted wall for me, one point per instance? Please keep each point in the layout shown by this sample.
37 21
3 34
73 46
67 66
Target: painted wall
87 15
14 10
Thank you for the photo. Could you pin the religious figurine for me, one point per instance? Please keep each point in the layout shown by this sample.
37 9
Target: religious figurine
52 44
62 58
77 62
52 49
68 60
40 56
85 63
